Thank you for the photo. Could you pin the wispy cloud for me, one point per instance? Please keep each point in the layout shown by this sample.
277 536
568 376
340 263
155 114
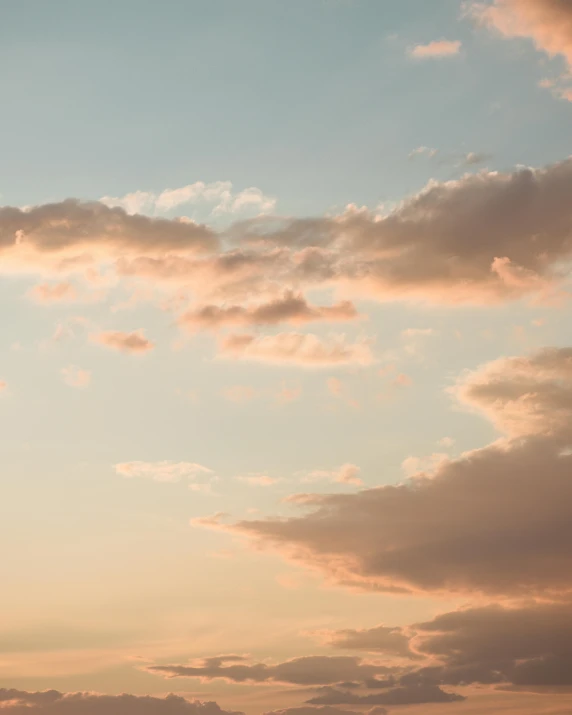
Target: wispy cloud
76 377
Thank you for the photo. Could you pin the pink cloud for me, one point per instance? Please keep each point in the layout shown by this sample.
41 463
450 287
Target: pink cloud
436 49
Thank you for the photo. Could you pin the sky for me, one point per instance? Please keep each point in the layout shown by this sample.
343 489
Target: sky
286 358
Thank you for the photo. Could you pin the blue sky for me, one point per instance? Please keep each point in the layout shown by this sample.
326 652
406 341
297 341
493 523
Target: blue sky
317 102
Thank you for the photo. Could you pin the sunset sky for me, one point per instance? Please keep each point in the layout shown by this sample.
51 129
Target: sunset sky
286 357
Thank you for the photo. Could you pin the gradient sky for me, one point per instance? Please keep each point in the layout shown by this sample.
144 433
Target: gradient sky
286 368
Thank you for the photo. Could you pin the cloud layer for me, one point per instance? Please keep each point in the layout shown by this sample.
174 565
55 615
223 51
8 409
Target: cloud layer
52 702
486 237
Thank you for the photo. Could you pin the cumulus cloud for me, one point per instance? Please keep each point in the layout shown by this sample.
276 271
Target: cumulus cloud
133 343
164 471
485 237
303 349
436 49
472 158
306 670
523 395
52 702
495 520
522 644
527 645
77 233
547 22
291 308
218 195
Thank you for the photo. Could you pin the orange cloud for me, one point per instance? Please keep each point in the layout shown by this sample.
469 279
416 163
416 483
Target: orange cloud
291 308
547 22
134 342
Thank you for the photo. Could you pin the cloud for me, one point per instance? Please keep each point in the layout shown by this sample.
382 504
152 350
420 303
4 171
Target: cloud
423 465
447 241
133 343
53 292
164 471
473 158
547 22
303 349
496 520
219 195
524 644
75 233
346 474
446 442
523 395
381 639
306 670
52 702
423 151
75 376
324 710
290 308
436 49
484 238
406 695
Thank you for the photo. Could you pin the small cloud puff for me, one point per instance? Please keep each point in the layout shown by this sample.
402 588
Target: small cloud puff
436 49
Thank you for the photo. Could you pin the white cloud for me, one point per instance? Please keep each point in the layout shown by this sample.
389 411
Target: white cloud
219 196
